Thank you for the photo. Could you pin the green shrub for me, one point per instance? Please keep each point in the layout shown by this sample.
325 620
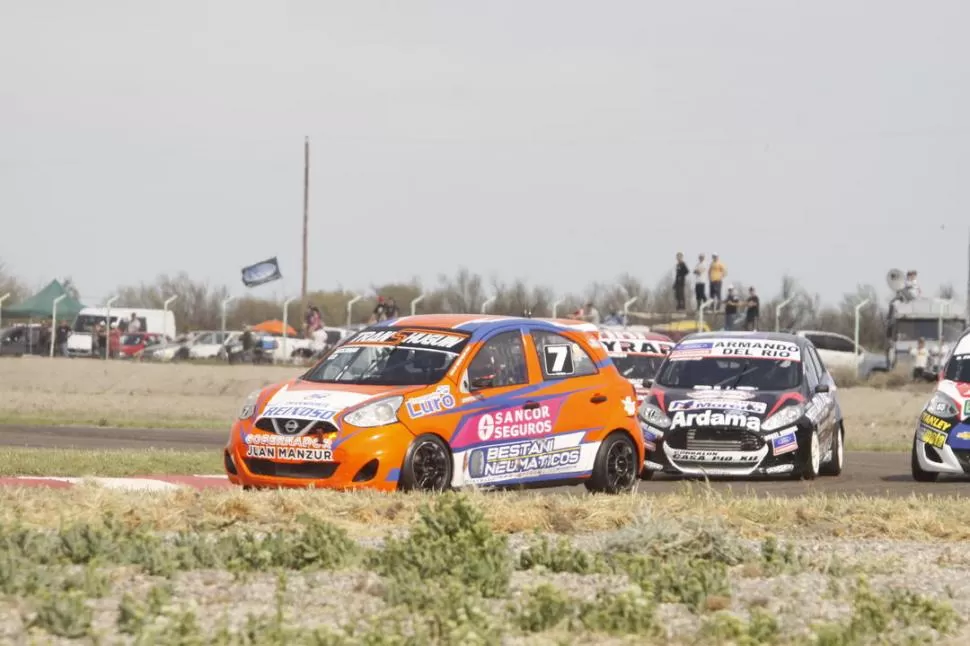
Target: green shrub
562 557
540 609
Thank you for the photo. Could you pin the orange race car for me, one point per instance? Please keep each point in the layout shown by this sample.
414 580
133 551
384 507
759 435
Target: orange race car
438 401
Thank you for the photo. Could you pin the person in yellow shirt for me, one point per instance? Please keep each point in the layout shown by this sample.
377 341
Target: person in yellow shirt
716 274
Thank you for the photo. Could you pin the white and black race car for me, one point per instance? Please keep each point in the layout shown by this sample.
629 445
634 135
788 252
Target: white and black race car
941 444
743 404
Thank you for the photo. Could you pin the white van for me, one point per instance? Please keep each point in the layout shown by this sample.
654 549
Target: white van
79 343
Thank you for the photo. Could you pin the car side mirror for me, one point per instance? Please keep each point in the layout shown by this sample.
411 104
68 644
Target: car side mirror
483 382
648 382
822 388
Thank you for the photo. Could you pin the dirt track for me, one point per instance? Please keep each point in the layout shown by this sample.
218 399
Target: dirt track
869 473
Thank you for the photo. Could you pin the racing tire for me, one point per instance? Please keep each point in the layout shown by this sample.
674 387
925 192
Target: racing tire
809 458
834 466
920 474
616 467
427 466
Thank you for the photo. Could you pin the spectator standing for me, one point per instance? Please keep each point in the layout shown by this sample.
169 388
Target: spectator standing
921 358
716 275
391 309
134 325
613 319
592 314
247 344
380 311
114 340
97 336
752 310
680 280
731 305
60 338
699 270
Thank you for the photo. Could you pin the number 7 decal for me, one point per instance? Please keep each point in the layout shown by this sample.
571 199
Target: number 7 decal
559 359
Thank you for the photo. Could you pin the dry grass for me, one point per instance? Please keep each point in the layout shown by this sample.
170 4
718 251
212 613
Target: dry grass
372 514
111 393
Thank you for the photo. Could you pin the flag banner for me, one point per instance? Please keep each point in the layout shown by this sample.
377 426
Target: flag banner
262 272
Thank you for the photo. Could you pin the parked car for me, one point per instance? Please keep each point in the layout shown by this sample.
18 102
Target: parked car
13 341
150 320
838 353
437 401
132 345
212 345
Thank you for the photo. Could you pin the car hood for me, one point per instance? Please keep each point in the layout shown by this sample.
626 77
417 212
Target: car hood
687 406
309 401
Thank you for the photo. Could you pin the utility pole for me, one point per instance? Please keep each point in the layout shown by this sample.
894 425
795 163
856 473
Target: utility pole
306 212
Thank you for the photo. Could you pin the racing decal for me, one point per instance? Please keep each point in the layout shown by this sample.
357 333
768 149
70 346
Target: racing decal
528 459
737 348
629 406
780 468
310 405
785 398
935 422
282 448
411 338
783 442
717 393
740 458
963 388
440 400
963 435
718 404
637 346
710 418
558 360
966 408
519 421
933 438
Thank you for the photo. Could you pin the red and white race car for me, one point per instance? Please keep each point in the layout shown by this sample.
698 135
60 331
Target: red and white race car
637 353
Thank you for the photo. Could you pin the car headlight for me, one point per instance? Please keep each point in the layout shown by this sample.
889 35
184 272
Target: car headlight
942 406
784 417
249 406
380 413
653 416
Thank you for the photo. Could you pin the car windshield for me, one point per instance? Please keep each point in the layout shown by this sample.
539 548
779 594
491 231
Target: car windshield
390 357
731 372
958 368
633 366
929 329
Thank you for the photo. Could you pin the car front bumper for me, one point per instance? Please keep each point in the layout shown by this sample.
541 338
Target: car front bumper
362 459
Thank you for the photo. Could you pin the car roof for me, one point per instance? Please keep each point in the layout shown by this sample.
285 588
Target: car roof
623 334
963 345
751 336
478 325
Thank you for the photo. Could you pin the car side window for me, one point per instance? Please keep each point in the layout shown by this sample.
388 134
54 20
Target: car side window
561 357
500 362
841 344
813 367
820 341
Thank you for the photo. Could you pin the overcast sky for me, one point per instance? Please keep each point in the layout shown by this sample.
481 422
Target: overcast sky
559 140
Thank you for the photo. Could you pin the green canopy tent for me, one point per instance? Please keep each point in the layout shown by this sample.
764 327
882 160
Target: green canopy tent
41 305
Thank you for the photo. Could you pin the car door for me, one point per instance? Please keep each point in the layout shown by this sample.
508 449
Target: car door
823 345
821 406
845 348
570 372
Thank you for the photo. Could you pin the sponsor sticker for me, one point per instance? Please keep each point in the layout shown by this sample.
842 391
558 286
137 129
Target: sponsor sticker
966 408
289 453
963 435
710 418
784 444
935 422
933 438
718 404
524 420
618 348
734 457
718 393
306 441
440 400
521 458
629 406
780 468
411 338
737 348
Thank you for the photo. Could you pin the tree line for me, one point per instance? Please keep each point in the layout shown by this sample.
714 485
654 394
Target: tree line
199 304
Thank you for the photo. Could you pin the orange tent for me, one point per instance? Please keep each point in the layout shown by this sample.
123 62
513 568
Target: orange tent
274 327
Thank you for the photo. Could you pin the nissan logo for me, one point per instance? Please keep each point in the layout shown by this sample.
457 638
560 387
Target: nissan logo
291 427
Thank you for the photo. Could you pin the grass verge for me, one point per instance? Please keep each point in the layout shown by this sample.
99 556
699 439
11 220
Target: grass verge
16 461
68 419
366 514
451 578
